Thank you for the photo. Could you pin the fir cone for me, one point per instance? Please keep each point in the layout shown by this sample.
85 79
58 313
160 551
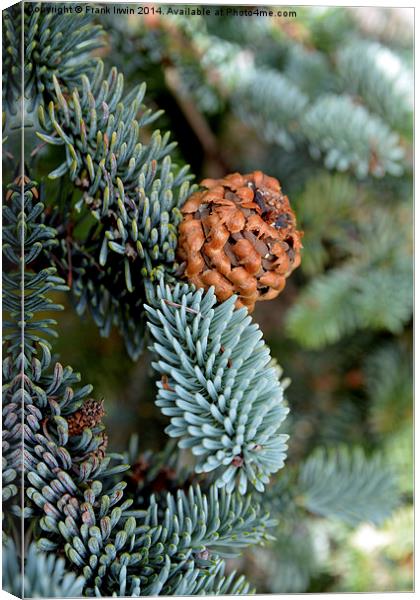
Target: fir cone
87 417
239 235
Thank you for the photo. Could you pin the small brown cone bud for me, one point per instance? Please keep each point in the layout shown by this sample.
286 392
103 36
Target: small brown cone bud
239 235
88 416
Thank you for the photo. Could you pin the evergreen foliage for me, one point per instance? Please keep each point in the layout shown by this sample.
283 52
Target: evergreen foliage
349 138
129 186
371 286
294 562
358 483
342 484
297 105
25 238
172 552
325 221
223 402
381 78
388 376
11 53
326 107
277 122
132 190
54 46
31 381
45 575
70 488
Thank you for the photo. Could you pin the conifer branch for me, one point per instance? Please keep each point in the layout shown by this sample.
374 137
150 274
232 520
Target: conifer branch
348 137
131 187
363 490
45 575
224 402
378 75
54 45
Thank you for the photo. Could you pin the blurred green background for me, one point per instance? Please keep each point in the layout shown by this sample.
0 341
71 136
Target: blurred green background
322 101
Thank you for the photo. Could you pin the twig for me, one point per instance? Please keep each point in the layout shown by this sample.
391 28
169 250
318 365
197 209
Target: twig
194 117
187 308
38 148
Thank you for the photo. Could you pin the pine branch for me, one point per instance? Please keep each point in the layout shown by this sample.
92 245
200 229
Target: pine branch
379 77
325 209
133 192
344 484
102 290
164 550
54 46
308 69
349 138
389 385
72 491
272 104
45 575
275 104
371 289
221 522
346 300
325 310
223 401
214 68
293 561
12 58
44 392
263 98
37 238
399 452
131 187
63 433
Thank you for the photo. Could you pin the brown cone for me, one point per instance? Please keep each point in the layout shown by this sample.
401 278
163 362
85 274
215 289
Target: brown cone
239 235
88 416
